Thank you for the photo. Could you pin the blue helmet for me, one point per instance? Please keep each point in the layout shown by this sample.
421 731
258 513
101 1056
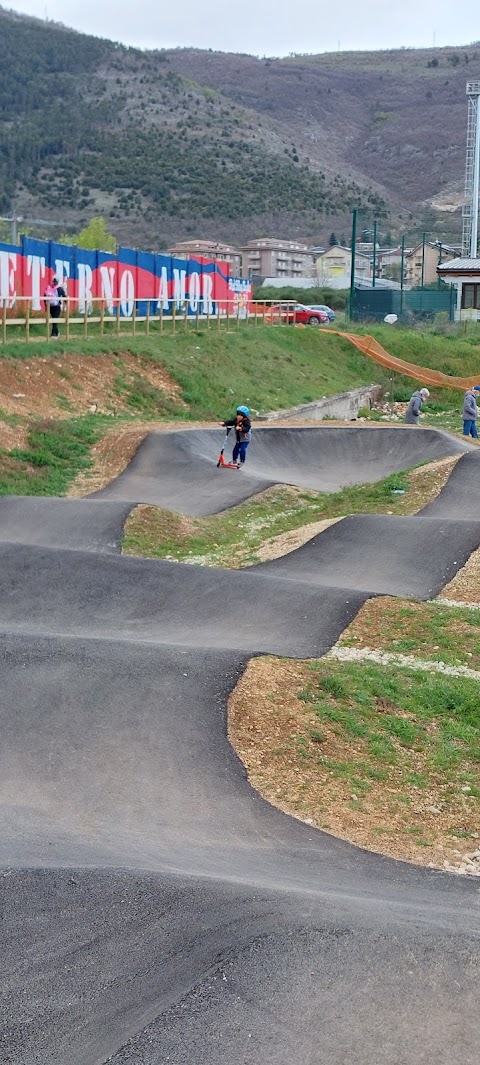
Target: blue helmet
243 410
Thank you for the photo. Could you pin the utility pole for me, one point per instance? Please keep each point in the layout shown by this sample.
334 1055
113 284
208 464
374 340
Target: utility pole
424 237
352 255
402 275
476 187
374 253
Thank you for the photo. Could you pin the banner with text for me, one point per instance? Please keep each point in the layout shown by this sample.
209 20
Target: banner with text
147 281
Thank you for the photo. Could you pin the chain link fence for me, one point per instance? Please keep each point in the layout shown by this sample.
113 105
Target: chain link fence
410 305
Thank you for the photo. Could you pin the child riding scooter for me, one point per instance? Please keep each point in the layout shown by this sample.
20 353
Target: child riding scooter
243 434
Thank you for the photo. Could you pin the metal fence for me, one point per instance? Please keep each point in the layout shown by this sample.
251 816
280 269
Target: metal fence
419 303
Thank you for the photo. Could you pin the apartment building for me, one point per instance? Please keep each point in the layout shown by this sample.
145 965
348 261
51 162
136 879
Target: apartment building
389 262
422 261
268 257
209 249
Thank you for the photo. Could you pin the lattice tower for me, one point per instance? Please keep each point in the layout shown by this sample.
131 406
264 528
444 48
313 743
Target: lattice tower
472 173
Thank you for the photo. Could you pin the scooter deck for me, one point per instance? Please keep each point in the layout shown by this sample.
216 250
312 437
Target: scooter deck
221 464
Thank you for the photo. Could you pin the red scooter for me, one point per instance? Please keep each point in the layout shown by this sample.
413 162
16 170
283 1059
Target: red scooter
221 461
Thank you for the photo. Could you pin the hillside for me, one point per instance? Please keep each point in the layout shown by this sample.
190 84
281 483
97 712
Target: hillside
129 137
169 144
398 117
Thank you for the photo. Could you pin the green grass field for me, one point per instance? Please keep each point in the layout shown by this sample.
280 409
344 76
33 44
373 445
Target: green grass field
279 366
267 367
422 724
430 631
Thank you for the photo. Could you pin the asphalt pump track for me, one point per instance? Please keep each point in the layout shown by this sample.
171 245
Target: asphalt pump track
154 908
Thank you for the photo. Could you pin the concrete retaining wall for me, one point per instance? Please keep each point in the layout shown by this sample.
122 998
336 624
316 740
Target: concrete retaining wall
344 406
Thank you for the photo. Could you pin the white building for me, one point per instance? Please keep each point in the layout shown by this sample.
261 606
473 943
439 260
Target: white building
465 275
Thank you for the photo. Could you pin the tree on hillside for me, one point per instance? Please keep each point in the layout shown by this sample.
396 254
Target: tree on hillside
332 240
5 232
94 237
7 235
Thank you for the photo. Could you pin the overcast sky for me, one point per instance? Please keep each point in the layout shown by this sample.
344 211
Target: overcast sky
268 27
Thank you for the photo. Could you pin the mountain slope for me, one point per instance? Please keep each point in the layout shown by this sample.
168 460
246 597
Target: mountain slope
89 126
398 117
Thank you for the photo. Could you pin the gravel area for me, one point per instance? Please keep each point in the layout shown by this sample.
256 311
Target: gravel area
361 654
465 586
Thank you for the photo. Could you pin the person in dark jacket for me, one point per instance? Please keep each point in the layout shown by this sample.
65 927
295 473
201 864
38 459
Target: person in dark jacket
53 296
243 433
470 412
412 413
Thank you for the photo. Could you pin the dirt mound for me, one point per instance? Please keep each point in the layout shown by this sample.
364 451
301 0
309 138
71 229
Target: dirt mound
11 436
61 385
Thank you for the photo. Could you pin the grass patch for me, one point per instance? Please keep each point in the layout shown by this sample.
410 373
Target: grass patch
11 419
425 630
64 403
56 451
145 399
402 718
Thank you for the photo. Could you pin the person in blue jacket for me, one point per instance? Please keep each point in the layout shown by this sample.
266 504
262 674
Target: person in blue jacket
243 433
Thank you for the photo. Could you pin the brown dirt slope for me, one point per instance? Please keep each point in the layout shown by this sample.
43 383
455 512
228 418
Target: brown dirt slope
56 387
274 733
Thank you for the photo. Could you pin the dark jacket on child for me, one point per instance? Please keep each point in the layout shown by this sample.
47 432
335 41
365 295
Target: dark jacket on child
242 425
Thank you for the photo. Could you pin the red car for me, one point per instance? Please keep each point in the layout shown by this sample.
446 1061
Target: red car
298 314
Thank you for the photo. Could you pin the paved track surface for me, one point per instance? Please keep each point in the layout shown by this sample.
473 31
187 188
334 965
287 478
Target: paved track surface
459 498
155 908
77 524
177 470
382 554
